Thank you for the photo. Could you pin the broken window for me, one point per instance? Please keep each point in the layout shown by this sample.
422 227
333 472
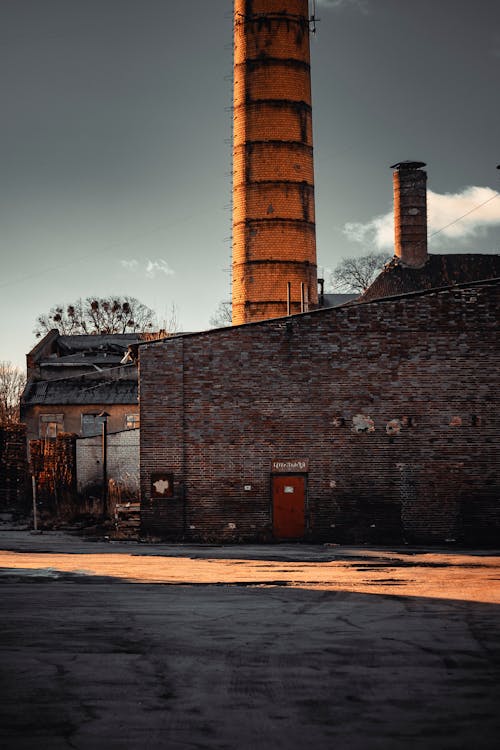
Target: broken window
50 425
91 424
132 421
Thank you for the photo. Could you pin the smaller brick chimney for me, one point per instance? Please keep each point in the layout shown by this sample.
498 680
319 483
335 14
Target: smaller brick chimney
410 213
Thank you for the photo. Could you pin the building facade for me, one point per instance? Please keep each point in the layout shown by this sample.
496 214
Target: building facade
72 380
367 422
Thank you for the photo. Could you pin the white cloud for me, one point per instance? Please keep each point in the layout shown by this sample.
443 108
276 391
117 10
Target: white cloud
445 209
154 267
151 268
378 231
455 216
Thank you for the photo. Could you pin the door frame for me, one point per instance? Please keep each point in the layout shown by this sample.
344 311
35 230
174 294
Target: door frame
306 500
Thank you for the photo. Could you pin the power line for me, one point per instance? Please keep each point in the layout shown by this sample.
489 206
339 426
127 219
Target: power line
467 213
187 218
105 249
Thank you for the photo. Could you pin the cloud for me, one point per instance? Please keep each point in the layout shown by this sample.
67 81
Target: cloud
378 231
445 209
154 267
452 216
151 268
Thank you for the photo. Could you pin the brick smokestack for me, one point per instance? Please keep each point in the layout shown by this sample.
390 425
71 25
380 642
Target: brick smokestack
274 238
410 213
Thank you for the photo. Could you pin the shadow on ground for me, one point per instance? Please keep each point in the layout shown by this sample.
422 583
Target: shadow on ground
92 662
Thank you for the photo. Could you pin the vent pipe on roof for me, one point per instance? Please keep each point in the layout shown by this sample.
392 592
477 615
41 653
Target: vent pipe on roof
410 213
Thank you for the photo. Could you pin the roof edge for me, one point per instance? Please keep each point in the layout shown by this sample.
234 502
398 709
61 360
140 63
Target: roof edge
49 337
352 303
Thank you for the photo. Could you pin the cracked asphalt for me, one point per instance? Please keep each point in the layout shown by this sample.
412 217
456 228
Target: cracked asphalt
125 645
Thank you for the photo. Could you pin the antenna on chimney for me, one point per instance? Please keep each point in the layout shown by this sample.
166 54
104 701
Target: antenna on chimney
312 17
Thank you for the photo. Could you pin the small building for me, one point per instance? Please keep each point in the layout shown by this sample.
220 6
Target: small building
376 420
413 268
72 379
437 272
368 422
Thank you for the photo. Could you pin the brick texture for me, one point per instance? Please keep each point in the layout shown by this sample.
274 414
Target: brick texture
410 215
273 178
263 121
276 201
15 489
394 403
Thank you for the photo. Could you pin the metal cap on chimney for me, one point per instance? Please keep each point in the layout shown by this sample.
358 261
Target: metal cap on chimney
410 213
408 165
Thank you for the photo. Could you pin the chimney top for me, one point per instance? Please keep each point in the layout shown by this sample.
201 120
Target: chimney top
400 165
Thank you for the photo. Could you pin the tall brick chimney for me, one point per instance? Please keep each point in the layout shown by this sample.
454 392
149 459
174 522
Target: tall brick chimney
274 239
410 213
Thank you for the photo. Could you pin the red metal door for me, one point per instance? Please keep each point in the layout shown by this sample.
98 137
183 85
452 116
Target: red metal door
289 494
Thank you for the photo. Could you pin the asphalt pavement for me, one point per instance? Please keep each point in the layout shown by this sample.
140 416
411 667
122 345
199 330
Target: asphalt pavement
125 645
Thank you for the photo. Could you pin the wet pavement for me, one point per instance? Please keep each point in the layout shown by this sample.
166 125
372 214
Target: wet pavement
125 645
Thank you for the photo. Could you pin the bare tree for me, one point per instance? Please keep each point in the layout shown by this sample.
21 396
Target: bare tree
222 316
12 381
97 315
168 325
356 274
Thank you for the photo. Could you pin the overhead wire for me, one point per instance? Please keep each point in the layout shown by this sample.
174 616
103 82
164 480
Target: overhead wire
467 213
186 218
106 248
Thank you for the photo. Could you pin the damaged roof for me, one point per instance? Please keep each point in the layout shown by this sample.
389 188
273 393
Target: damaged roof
439 271
81 390
81 369
86 350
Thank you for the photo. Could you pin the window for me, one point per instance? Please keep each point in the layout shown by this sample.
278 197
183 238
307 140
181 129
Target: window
91 424
132 421
50 425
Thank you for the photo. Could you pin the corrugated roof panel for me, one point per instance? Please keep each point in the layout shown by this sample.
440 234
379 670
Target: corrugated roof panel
83 391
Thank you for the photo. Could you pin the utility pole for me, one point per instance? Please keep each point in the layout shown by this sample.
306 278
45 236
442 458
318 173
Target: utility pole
104 416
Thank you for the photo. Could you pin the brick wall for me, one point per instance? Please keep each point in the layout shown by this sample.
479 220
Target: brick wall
122 460
15 489
393 403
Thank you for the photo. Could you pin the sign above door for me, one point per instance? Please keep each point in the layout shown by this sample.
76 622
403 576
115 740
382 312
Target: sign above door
290 466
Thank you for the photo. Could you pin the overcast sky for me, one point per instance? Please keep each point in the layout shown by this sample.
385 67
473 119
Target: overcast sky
115 152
